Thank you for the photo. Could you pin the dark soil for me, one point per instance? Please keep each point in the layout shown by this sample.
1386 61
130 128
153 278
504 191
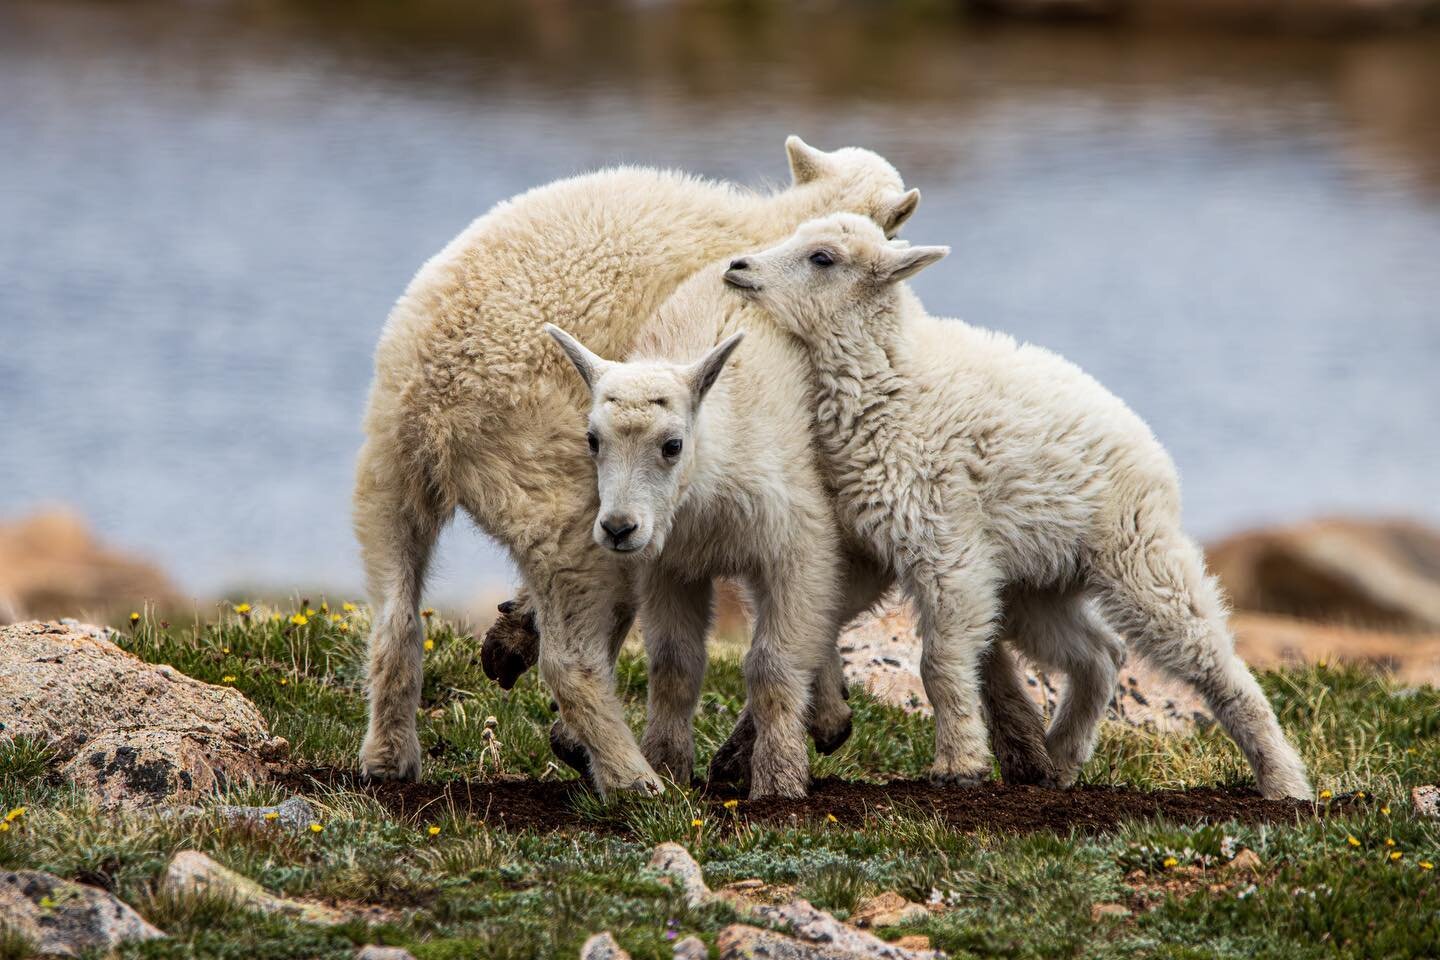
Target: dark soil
995 807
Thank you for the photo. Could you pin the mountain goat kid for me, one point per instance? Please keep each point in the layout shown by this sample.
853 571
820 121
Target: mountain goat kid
972 462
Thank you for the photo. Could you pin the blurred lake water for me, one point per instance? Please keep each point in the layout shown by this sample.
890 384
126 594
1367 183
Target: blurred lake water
206 210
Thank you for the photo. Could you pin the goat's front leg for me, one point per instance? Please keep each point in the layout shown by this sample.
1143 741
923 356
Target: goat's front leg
958 601
675 618
583 611
794 625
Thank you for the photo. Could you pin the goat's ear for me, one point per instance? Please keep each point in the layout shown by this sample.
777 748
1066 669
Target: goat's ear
899 211
806 163
705 371
899 262
589 365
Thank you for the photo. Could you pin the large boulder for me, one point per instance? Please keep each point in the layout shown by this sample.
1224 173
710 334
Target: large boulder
58 918
52 565
1382 573
881 652
130 732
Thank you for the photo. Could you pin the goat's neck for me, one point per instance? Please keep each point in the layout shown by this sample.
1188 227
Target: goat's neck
859 386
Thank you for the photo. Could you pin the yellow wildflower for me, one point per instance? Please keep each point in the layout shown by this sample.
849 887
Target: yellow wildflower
336 618
242 608
1385 810
1352 841
283 681
1359 794
15 814
324 607
1396 854
1170 862
433 831
1325 794
271 815
275 618
224 649
831 818
1426 865
428 612
344 628
697 823
429 644
1389 841
134 617
4 826
731 804
316 828
299 619
228 678
348 607
309 611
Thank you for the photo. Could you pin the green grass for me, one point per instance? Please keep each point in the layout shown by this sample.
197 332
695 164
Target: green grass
478 890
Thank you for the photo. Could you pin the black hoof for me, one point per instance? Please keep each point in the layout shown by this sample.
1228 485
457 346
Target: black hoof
828 745
512 646
731 764
568 752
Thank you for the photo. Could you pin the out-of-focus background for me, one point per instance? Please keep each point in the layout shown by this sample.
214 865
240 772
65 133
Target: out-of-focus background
1228 212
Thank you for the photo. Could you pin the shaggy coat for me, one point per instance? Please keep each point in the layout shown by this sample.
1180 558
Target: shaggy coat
974 463
472 408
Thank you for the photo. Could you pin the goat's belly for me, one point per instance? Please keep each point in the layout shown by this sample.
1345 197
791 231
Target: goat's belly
1038 544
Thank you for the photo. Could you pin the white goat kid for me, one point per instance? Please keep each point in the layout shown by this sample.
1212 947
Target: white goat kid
692 489
972 462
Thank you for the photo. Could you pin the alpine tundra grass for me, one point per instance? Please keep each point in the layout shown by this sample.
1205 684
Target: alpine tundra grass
1352 876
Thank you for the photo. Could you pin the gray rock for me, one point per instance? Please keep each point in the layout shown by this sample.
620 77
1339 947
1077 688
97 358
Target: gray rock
675 861
818 930
65 919
741 942
602 946
191 872
295 814
129 732
1427 800
691 948
373 952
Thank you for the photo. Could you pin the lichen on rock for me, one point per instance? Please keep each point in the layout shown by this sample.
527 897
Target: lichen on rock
129 732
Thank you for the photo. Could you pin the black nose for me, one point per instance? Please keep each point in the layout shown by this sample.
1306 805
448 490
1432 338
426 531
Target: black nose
618 528
741 264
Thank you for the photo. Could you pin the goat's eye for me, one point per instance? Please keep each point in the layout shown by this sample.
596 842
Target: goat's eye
671 448
593 440
822 259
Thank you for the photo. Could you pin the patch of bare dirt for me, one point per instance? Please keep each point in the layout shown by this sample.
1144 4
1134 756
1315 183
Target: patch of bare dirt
994 807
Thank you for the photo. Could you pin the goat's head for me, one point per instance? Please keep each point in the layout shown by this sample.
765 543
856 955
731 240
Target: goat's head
640 433
863 182
832 277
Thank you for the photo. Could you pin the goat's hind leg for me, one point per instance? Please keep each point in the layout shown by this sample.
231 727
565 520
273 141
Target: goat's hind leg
397 526
1158 595
1061 631
1017 728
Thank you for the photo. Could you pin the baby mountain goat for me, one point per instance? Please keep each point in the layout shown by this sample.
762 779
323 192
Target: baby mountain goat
656 444
975 464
